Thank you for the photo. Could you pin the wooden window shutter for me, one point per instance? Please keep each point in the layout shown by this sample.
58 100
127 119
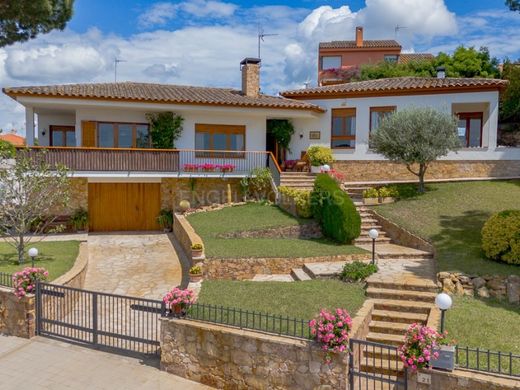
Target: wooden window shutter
88 134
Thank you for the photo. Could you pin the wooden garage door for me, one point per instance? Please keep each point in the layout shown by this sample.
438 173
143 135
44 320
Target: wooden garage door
123 206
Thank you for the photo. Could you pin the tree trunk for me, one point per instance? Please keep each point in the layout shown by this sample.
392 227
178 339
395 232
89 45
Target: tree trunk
21 249
422 171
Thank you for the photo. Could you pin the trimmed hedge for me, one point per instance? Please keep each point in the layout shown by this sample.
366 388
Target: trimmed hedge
334 210
501 237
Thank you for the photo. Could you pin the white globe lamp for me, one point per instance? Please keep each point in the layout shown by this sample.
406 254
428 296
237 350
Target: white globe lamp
325 168
443 302
373 234
33 252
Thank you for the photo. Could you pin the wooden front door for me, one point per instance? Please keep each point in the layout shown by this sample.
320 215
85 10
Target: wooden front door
123 206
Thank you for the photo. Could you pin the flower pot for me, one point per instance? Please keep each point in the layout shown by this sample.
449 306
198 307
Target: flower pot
387 199
196 252
370 201
195 278
167 230
315 169
446 359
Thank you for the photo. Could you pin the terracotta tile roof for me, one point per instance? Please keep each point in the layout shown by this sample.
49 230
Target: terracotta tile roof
408 57
383 43
15 139
399 84
161 93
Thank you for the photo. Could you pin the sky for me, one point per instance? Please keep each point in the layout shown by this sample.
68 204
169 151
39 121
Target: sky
201 42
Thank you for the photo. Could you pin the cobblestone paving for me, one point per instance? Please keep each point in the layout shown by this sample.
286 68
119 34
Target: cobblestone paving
137 265
47 364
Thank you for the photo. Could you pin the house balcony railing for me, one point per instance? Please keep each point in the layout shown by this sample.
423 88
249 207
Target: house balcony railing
170 161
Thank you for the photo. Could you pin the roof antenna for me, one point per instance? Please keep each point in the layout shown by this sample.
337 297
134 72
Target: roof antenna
261 36
397 29
116 61
307 83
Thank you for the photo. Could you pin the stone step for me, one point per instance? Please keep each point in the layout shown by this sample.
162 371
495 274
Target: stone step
296 173
369 220
368 227
272 278
367 240
408 256
385 338
419 285
385 293
392 368
373 353
399 317
402 306
323 270
388 327
299 274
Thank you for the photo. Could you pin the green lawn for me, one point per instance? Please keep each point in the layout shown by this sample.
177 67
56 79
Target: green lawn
55 256
451 216
298 299
255 216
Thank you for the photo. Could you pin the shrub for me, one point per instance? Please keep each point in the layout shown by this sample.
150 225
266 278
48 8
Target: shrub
419 342
388 192
301 198
259 183
165 218
79 219
334 210
370 193
197 247
7 149
501 237
357 271
196 270
319 155
24 282
331 330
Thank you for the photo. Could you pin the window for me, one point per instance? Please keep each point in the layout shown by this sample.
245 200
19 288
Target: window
330 62
343 128
123 135
470 129
63 136
219 137
377 114
391 57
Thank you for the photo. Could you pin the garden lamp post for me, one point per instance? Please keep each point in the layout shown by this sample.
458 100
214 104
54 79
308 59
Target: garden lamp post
443 302
373 233
33 252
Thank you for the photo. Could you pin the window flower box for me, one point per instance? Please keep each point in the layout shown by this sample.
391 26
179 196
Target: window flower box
191 167
208 167
227 168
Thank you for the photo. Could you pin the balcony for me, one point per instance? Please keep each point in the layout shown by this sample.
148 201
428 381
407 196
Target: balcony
170 162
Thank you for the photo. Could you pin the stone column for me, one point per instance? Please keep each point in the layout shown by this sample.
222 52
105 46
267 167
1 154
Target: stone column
29 126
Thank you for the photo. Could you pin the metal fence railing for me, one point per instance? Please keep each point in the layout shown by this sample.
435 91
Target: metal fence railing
246 319
6 279
505 363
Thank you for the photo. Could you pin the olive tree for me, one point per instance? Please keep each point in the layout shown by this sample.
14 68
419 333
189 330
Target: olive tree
31 194
416 137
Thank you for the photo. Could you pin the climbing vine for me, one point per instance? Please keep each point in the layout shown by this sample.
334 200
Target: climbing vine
282 130
165 129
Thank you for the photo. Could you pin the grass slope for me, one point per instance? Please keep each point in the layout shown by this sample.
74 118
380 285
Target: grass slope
56 256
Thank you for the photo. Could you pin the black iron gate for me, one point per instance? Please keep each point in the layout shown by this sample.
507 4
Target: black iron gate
375 366
98 319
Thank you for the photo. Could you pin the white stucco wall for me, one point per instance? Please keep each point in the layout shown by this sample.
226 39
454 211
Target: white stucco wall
46 120
443 102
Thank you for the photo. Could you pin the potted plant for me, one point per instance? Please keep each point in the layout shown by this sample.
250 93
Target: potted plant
419 346
445 353
196 250
331 331
208 167
370 196
227 168
191 167
387 194
178 301
165 219
318 157
195 274
79 220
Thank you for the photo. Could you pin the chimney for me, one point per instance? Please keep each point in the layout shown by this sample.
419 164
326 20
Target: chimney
441 72
359 36
250 68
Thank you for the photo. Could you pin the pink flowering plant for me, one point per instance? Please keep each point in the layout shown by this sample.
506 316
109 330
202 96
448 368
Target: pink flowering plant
419 343
24 282
331 331
179 300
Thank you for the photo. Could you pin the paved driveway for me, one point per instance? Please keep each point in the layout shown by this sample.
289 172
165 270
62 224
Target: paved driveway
42 363
138 265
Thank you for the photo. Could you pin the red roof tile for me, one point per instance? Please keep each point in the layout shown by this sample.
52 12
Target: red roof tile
14 139
377 43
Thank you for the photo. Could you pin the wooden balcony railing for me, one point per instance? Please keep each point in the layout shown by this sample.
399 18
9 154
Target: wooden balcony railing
151 160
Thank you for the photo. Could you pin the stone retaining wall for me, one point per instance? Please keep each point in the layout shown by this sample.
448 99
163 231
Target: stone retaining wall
402 236
306 231
388 171
75 277
231 358
185 233
17 316
461 379
247 268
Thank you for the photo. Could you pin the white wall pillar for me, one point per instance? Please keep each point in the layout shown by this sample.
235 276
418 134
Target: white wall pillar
29 126
493 123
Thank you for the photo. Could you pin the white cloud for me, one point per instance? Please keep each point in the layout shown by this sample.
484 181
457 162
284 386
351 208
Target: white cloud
162 72
157 15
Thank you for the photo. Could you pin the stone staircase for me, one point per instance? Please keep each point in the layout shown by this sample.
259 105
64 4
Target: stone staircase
298 180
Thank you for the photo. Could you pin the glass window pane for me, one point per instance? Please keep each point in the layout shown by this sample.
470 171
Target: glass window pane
125 136
57 138
106 135
201 141
351 125
474 132
391 57
237 141
71 138
142 135
220 141
461 130
330 62
337 126
343 143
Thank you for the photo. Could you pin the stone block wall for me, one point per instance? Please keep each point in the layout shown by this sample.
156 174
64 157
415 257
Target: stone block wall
185 233
17 316
461 380
356 170
231 358
206 191
78 197
244 269
307 230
